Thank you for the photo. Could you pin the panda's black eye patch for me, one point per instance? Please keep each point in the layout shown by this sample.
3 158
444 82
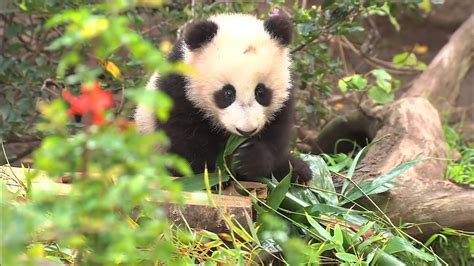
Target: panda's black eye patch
263 95
225 96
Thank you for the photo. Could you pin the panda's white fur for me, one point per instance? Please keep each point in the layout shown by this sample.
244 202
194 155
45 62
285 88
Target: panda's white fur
242 58
239 57
145 119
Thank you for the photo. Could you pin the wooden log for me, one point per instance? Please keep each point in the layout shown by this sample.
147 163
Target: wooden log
195 212
411 129
198 213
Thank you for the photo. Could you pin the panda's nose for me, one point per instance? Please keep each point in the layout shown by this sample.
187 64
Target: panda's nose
246 133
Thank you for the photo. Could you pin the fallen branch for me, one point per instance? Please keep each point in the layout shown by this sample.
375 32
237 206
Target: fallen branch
196 212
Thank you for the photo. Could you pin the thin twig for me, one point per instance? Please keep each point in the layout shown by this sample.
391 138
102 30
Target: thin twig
303 45
343 57
378 62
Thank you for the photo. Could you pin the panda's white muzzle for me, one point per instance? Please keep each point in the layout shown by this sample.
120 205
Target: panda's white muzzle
243 120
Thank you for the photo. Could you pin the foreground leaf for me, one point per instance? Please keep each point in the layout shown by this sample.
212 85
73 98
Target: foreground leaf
383 258
347 257
290 201
397 244
321 231
279 192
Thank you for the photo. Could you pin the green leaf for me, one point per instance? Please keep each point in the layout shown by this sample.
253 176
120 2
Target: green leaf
421 66
368 243
354 82
233 143
380 95
357 192
362 231
321 178
338 238
252 229
291 201
434 237
196 182
383 79
318 209
305 194
354 164
347 257
321 231
343 86
405 59
425 5
408 59
276 196
397 244
383 258
381 74
392 19
29 187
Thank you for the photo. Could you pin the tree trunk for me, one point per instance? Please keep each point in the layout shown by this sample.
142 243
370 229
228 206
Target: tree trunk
410 129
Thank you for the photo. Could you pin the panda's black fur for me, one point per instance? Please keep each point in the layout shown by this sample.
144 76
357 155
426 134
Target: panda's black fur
194 137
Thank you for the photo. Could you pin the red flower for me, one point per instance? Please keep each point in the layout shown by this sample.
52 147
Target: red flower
93 100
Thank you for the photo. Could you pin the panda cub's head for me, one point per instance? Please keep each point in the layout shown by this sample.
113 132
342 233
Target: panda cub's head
242 69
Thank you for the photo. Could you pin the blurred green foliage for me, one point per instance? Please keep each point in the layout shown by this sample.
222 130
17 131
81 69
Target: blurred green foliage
461 166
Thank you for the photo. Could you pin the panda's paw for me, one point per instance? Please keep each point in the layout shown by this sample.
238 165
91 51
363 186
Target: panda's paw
253 160
302 174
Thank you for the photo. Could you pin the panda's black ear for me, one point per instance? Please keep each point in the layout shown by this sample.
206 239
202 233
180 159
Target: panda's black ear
198 34
280 28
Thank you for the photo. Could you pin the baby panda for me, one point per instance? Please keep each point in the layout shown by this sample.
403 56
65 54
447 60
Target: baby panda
241 85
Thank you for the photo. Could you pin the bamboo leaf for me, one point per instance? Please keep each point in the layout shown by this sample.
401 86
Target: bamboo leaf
277 195
291 201
358 192
397 244
363 230
338 238
321 178
321 231
383 258
347 257
354 164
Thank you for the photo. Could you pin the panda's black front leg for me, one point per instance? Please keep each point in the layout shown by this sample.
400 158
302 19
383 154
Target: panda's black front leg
254 159
301 173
